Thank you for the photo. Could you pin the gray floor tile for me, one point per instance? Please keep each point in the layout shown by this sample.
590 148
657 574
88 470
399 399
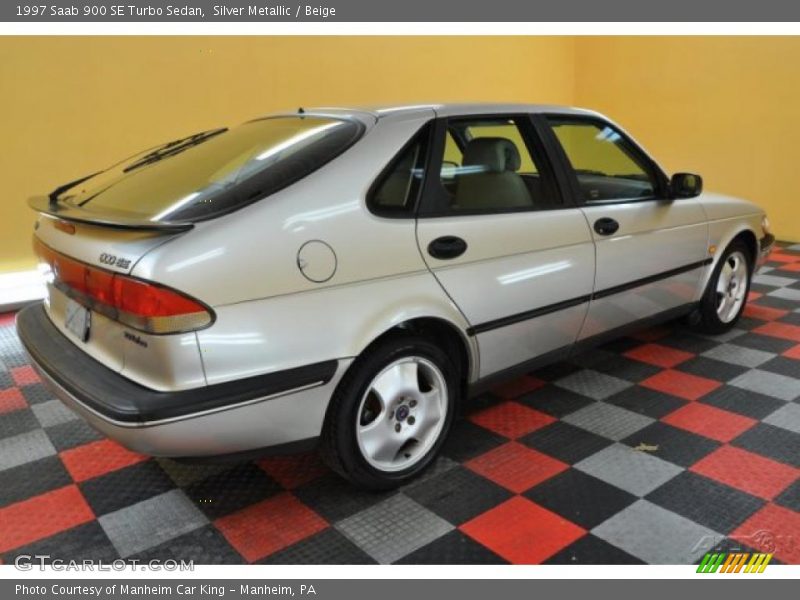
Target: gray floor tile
631 470
593 384
787 417
739 355
773 280
786 294
771 384
657 535
393 528
24 448
53 412
151 522
610 421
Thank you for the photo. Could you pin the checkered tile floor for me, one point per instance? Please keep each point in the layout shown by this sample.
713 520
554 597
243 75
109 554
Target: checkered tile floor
655 448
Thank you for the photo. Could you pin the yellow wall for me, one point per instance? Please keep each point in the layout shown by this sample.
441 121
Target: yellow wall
725 107
70 105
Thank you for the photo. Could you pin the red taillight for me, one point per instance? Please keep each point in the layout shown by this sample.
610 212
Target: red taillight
139 304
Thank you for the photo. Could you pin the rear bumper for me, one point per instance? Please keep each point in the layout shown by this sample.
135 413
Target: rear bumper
276 409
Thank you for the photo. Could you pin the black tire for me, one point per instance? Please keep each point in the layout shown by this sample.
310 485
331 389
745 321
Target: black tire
339 446
705 318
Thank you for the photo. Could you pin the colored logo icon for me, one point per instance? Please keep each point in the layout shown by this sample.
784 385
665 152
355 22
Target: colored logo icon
734 562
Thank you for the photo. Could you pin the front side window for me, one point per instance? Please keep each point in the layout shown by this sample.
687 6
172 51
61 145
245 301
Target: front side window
212 173
488 166
606 165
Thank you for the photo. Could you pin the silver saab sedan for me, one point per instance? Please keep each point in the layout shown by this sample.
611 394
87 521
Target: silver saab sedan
346 278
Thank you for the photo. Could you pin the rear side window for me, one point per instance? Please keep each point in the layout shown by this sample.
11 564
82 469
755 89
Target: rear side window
487 166
216 173
396 190
607 166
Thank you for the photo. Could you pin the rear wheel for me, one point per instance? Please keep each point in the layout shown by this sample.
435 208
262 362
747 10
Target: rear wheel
391 413
726 294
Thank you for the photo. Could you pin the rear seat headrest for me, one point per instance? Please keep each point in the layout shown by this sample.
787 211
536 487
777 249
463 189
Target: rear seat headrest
496 154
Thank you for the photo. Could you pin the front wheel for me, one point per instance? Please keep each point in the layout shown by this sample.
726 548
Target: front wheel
391 413
726 294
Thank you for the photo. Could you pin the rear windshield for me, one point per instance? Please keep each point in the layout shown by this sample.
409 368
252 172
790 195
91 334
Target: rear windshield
217 171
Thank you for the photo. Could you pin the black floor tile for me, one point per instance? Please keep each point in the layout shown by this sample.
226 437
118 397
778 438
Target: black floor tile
645 401
124 487
555 401
31 479
773 442
336 499
467 440
711 369
580 498
204 546
457 495
231 490
741 401
591 550
328 547
453 548
672 444
767 343
714 505
565 442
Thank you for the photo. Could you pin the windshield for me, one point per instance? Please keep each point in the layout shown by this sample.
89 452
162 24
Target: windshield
215 172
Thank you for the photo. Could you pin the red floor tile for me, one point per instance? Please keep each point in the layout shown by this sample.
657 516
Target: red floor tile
516 467
11 399
42 516
522 532
763 313
682 385
24 375
292 471
792 267
793 352
711 422
518 387
658 355
783 258
746 471
780 330
268 526
98 458
753 296
772 529
511 419
7 318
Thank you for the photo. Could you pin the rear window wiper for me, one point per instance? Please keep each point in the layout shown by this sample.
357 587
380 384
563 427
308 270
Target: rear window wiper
173 148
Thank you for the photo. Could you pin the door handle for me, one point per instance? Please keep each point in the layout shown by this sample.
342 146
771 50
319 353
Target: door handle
606 226
447 247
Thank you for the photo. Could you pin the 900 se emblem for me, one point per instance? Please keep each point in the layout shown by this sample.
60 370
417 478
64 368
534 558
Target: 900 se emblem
114 261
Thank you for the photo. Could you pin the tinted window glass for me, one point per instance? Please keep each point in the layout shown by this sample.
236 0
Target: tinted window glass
487 166
397 188
606 165
217 173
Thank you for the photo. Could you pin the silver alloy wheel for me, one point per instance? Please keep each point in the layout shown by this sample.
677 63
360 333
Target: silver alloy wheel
732 286
402 414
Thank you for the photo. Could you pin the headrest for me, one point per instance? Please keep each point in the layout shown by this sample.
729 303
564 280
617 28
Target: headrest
495 154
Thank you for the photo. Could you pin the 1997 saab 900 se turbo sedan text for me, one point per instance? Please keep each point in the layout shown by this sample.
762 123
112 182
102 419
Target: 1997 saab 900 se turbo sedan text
348 277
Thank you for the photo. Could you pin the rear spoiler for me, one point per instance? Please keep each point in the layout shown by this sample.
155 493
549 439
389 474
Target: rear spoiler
46 206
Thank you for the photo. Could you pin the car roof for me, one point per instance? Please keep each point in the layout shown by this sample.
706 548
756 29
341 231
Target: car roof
401 111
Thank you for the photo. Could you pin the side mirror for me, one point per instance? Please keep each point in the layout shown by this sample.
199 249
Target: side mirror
685 185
